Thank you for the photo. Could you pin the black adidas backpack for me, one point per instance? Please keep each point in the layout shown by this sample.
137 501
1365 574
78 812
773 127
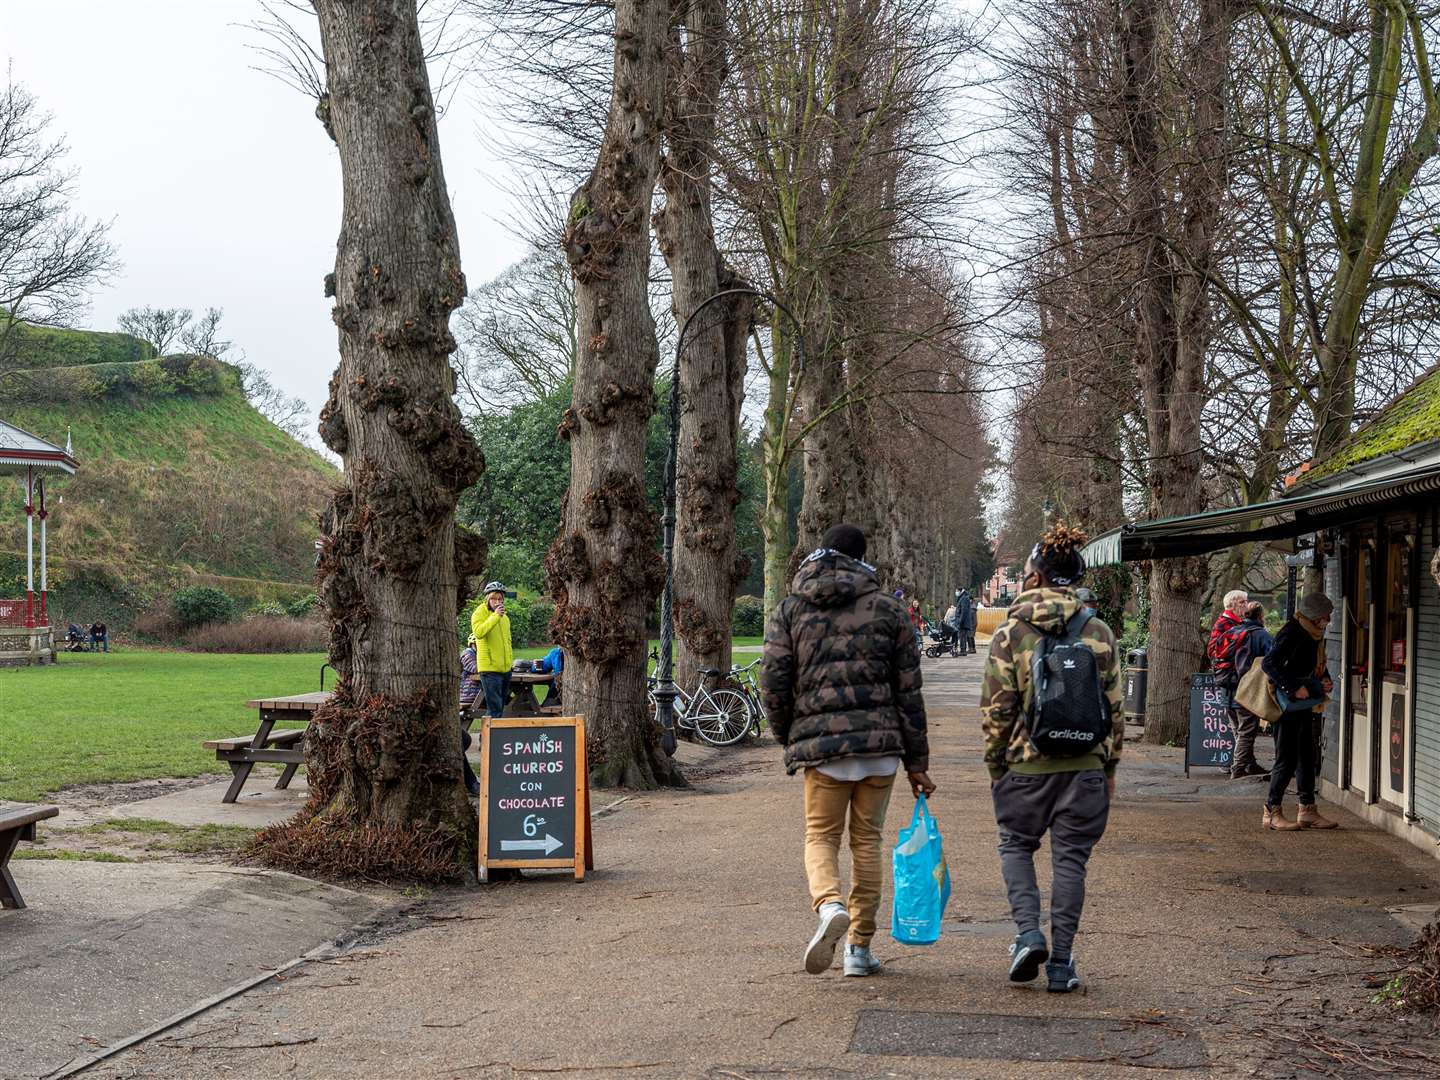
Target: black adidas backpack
1069 713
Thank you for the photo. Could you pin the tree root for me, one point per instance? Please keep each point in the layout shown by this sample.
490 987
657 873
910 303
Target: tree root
328 849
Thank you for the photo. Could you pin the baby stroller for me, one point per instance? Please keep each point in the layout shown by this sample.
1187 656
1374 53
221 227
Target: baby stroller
74 639
944 641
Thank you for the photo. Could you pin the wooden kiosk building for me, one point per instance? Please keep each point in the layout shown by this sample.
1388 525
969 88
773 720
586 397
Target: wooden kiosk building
1372 512
25 633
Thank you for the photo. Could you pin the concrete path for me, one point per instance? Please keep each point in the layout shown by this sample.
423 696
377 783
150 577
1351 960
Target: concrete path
1209 947
104 951
258 805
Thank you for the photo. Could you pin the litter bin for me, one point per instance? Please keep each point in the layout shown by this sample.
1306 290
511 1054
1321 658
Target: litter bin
1137 679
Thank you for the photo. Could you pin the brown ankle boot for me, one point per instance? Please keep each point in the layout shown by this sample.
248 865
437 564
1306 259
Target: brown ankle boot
1309 818
1275 819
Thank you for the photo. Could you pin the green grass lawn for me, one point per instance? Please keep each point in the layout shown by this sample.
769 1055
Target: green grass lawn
110 717
98 717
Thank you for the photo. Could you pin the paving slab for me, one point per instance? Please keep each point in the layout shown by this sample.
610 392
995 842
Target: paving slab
106 950
258 805
1018 1037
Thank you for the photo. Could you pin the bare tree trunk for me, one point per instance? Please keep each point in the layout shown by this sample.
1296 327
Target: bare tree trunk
383 755
1172 324
708 563
830 456
775 441
605 569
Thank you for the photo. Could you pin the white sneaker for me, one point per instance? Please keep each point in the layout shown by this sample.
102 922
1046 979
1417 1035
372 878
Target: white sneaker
820 953
860 961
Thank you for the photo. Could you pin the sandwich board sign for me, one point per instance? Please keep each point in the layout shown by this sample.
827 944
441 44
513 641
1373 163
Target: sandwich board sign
534 795
1211 741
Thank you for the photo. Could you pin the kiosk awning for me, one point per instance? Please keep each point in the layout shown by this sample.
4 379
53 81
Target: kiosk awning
1279 519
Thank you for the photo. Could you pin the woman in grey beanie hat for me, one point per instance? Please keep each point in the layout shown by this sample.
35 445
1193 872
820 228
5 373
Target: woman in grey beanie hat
1315 606
1297 667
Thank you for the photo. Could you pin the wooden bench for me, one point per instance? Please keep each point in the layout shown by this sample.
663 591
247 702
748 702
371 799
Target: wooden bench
17 822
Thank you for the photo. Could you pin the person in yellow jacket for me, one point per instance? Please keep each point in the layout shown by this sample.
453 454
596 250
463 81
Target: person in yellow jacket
494 654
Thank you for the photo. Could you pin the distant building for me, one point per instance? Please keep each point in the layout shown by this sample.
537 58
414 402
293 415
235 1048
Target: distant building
1004 584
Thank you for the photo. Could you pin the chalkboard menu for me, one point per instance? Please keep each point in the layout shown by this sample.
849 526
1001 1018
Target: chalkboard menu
534 794
1212 740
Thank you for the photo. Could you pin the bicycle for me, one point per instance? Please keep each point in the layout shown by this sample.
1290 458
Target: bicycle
749 689
720 717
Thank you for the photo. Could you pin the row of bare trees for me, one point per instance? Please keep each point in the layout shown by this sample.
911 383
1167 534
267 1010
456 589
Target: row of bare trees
1231 209
795 146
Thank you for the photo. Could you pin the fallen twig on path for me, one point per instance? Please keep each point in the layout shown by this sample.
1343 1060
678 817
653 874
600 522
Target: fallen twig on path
782 1023
252 1046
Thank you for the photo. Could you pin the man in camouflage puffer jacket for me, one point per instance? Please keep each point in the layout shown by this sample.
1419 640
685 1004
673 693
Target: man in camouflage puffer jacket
842 694
1069 797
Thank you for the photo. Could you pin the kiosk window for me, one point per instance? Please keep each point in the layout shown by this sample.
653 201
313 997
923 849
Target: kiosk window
1359 609
1397 606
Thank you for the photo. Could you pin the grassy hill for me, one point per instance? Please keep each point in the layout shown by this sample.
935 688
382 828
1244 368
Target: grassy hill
181 481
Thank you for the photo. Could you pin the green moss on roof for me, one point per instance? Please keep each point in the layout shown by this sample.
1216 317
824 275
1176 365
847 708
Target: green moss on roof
1412 418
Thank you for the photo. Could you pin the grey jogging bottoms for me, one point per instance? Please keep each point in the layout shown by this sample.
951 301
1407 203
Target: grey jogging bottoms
1073 807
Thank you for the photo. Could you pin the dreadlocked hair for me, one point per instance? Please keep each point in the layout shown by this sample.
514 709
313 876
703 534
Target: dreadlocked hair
1057 555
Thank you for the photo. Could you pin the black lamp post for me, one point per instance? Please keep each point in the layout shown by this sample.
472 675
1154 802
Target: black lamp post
665 689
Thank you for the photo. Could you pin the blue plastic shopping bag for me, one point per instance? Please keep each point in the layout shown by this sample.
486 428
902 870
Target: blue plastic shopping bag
922 880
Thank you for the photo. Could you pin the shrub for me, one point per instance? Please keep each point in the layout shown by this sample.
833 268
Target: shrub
302 605
200 605
158 622
262 634
747 617
267 609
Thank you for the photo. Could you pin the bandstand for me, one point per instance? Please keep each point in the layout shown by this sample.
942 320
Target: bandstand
25 633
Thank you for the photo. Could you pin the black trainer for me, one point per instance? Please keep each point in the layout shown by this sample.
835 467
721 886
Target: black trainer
1062 977
1026 955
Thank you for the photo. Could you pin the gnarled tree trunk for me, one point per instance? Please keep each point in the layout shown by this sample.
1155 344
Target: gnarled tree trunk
605 569
708 563
384 754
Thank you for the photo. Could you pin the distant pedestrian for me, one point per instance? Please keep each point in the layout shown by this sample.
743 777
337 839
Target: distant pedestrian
1088 601
968 620
1051 749
1225 635
1255 644
469 691
841 682
494 653
950 629
964 613
1299 670
99 637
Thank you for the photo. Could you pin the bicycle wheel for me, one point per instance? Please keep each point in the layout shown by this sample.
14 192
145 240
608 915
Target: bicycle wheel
722 719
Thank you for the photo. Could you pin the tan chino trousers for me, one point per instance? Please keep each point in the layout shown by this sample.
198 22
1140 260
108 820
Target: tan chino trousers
827 803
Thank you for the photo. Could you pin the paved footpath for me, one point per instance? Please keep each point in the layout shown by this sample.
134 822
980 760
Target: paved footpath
1210 949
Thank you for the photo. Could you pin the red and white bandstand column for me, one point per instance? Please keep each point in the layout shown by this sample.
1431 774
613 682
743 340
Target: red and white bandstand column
25 633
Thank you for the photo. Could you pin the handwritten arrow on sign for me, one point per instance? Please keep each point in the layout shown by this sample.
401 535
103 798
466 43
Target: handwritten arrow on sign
547 845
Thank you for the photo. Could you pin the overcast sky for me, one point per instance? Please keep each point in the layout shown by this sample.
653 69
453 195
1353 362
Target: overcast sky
223 188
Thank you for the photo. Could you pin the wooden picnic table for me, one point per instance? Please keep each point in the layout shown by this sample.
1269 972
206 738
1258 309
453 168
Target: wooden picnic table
282 745
269 743
17 822
523 701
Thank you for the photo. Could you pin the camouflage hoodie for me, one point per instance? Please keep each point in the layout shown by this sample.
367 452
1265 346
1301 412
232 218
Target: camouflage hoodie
842 670
1006 692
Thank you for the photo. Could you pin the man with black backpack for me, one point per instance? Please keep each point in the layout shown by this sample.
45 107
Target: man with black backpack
1051 709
